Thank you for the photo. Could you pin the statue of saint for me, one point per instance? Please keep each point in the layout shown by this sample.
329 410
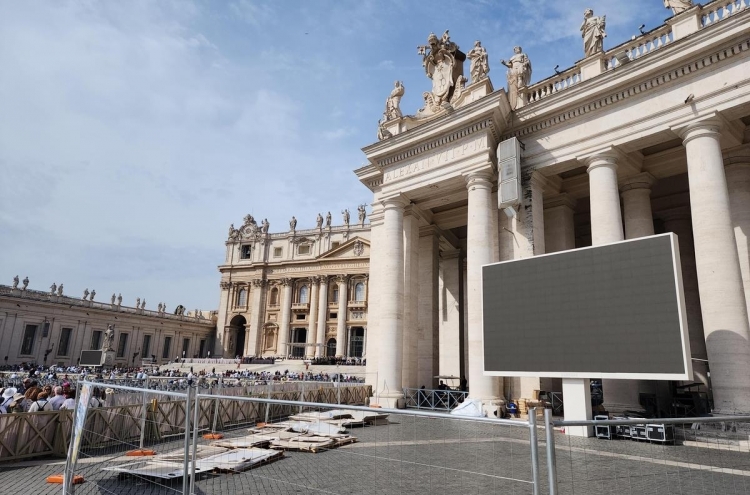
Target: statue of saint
137 302
232 232
519 74
592 32
109 337
319 221
60 290
392 109
345 213
293 224
25 283
362 214
85 294
328 219
53 288
119 299
143 304
678 6
480 65
93 293
15 282
112 300
264 226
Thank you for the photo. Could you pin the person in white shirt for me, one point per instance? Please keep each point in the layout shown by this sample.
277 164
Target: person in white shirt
41 403
57 399
70 400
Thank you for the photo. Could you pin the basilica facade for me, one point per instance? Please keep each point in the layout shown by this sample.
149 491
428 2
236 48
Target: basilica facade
645 137
296 294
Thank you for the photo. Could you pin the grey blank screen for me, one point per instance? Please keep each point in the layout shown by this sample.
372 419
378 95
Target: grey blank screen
610 309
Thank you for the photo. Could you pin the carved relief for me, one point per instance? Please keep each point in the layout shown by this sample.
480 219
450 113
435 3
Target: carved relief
359 248
224 286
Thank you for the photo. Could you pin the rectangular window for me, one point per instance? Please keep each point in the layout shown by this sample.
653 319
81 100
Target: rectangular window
62 347
45 330
167 345
202 349
277 252
122 344
245 252
146 347
96 340
185 347
334 316
304 249
29 336
300 317
335 298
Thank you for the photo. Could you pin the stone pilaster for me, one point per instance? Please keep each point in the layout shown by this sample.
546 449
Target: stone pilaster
282 348
312 319
725 322
391 304
343 281
478 253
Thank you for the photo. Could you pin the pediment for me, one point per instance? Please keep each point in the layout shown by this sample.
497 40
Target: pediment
353 248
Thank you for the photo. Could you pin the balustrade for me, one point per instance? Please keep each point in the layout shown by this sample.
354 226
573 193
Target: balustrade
720 10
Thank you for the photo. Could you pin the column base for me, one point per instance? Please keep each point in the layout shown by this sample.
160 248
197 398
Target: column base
391 400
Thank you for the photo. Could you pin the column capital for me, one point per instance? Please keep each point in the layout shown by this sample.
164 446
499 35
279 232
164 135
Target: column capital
710 127
479 178
286 282
562 199
397 202
604 158
644 180
259 282
341 279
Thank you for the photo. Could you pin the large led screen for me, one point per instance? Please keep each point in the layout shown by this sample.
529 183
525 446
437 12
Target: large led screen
611 311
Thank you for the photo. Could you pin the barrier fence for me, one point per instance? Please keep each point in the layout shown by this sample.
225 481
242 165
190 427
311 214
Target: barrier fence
209 443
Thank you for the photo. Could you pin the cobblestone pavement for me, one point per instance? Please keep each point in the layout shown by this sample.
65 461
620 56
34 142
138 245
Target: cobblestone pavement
432 456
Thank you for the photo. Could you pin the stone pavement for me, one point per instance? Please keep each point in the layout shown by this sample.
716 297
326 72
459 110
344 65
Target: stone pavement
434 456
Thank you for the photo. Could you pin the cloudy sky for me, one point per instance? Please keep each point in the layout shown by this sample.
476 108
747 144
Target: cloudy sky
132 133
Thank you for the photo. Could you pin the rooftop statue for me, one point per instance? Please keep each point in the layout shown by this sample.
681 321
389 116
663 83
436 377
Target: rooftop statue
60 290
85 294
319 221
392 109
113 298
15 282
93 294
592 32
264 226
443 63
345 214
362 214
293 224
480 65
53 288
519 74
25 282
678 6
109 338
328 219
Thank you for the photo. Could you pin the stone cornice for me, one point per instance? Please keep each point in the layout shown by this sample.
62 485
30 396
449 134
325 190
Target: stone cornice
621 94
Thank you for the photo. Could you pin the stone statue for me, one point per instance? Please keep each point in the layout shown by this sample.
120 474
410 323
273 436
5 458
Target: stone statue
93 293
392 109
480 65
293 224
109 338
112 300
137 302
362 214
60 290
519 74
678 6
328 219
592 32
345 213
53 288
85 294
233 233
119 299
15 282
25 283
439 58
383 133
319 221
143 304
264 226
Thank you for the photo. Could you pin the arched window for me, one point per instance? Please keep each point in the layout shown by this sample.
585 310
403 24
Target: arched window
242 297
359 292
274 296
303 295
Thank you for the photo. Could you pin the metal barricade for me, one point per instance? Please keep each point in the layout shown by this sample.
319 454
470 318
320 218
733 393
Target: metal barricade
433 400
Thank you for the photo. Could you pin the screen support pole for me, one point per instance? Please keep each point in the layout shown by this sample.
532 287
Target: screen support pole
577 405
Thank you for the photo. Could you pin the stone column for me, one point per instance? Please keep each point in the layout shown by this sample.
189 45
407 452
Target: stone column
322 317
449 341
374 296
606 219
559 224
636 205
428 313
343 281
478 253
312 321
256 318
391 302
411 293
738 184
678 222
286 310
725 322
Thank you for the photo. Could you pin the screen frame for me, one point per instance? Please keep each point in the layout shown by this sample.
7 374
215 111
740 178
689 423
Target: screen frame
687 373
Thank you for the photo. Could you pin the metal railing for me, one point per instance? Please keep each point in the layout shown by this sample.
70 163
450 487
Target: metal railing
434 400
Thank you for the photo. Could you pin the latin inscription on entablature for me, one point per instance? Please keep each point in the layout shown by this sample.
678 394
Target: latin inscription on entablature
436 159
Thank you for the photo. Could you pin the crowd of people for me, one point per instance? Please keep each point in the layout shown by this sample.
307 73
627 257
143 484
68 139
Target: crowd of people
31 397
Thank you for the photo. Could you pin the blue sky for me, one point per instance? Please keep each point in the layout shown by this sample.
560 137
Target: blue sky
133 133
